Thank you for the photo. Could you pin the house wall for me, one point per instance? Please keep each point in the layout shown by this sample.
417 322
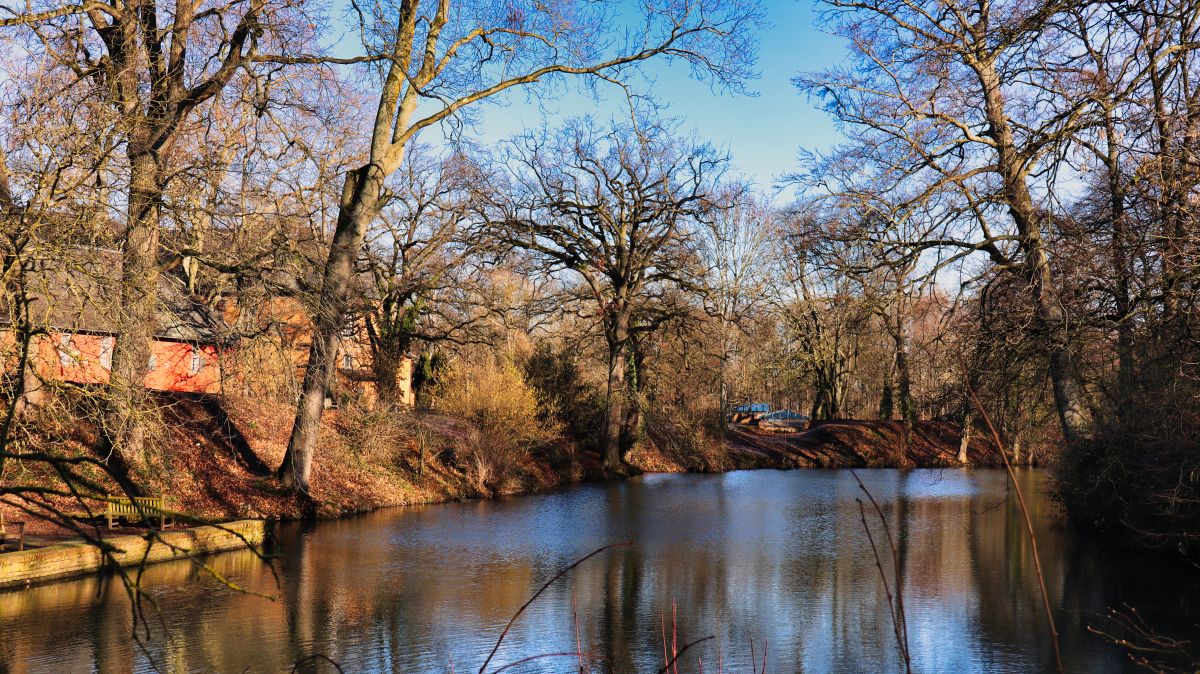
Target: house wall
291 330
87 359
408 396
174 368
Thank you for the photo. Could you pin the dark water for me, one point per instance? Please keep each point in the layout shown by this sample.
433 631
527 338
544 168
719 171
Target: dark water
777 557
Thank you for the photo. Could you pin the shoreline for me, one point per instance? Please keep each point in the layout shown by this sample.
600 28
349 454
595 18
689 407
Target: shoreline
825 445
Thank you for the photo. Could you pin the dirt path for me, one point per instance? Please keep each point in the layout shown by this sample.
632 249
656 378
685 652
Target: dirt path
853 444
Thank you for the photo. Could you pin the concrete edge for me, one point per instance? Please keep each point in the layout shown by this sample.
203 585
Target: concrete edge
67 560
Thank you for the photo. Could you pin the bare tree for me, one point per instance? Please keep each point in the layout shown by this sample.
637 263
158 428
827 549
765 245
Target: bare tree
452 55
422 259
153 65
617 209
948 115
824 318
734 246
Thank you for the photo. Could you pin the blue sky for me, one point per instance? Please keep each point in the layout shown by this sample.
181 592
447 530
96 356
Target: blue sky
763 133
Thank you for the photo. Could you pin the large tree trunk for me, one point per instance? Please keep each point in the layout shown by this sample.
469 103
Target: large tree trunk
124 425
904 399
387 374
1070 399
632 428
1123 298
887 399
723 373
359 205
390 341
618 338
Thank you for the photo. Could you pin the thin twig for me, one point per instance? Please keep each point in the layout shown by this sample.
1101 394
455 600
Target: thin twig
578 641
1037 560
537 594
674 639
895 603
684 650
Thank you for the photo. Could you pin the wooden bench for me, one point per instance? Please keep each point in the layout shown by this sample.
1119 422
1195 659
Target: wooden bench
137 509
19 526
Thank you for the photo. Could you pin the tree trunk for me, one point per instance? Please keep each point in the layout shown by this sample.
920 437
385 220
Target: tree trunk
633 430
908 409
386 364
33 392
1070 400
1123 299
886 399
724 395
1069 395
124 426
615 408
618 337
359 205
723 373
966 438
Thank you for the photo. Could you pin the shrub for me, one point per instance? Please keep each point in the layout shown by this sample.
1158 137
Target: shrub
504 411
1138 476
567 399
686 436
376 434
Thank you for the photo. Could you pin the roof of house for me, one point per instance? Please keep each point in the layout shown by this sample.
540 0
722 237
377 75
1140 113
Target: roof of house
79 292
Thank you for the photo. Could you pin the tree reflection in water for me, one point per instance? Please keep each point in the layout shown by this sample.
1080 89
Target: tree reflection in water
779 557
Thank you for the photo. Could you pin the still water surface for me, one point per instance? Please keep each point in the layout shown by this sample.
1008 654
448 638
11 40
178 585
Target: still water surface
777 557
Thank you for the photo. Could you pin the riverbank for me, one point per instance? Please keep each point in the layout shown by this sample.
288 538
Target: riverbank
214 461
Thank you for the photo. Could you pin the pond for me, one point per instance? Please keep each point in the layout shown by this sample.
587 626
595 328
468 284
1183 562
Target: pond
765 561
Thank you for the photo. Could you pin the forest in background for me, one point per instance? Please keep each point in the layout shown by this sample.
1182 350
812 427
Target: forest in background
1011 216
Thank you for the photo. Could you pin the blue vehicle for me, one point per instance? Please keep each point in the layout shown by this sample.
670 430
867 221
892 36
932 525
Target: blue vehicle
753 408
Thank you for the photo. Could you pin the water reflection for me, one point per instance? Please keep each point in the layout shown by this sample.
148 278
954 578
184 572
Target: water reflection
777 557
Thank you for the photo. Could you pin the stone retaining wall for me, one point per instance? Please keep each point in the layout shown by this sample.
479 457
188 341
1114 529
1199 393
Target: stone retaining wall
77 559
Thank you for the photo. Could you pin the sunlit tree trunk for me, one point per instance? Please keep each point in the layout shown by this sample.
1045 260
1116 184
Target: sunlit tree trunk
1070 398
965 442
616 395
124 425
359 205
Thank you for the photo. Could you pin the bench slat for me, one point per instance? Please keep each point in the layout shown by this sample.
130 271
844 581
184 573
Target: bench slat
140 507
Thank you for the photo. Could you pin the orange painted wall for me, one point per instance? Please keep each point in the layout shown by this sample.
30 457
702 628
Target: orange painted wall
86 359
173 371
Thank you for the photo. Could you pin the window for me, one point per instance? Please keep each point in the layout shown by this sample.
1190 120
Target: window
347 361
197 361
66 351
152 363
106 353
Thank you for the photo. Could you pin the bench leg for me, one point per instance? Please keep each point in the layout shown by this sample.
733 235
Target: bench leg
110 519
21 538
